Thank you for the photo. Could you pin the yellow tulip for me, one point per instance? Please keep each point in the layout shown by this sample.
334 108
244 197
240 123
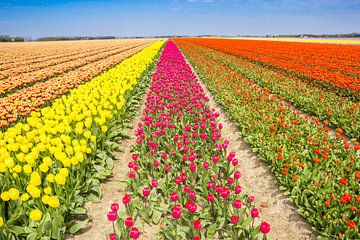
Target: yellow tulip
3 167
35 215
35 179
60 179
14 194
104 129
5 196
17 169
24 197
50 178
53 202
27 169
47 190
43 168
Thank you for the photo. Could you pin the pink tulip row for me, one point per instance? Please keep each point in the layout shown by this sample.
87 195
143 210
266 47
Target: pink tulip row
181 176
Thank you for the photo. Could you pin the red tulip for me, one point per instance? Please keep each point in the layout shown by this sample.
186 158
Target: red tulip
237 203
254 213
234 219
225 193
129 222
192 195
237 174
192 167
174 196
112 216
206 165
265 227
146 192
197 225
176 212
126 199
134 233
114 207
191 206
113 236
210 198
154 183
156 163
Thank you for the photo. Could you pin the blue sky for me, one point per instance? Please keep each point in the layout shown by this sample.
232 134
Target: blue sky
177 17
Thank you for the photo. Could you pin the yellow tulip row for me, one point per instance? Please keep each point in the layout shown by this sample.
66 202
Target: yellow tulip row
39 158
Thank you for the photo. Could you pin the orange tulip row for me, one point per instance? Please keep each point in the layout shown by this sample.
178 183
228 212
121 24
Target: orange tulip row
26 100
31 77
43 62
13 55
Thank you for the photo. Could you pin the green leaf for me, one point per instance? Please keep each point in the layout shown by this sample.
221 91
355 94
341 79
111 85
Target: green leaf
45 224
170 235
78 210
57 227
16 229
246 222
78 226
32 236
93 198
156 216
211 231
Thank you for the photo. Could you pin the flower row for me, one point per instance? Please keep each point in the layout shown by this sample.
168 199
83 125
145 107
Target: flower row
319 172
22 80
60 153
335 111
181 175
24 101
333 66
41 62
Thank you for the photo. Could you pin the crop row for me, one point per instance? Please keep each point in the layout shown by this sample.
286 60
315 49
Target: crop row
333 66
26 100
12 83
181 175
320 174
17 55
55 60
59 154
335 111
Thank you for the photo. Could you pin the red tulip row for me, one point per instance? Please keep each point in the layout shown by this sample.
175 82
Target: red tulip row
336 111
320 173
332 66
181 175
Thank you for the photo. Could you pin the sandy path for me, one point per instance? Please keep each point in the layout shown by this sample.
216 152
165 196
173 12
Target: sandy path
113 190
286 223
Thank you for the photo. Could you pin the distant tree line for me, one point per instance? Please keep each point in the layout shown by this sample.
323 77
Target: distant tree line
305 35
6 38
345 35
64 38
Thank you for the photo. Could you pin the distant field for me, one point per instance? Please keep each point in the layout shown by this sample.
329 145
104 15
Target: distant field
36 72
185 138
347 41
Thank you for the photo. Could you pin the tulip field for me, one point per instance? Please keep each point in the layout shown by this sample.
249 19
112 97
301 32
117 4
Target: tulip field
66 109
